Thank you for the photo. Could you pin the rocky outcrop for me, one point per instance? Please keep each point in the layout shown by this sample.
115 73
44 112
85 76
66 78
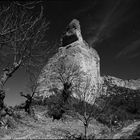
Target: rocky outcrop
74 50
131 84
132 131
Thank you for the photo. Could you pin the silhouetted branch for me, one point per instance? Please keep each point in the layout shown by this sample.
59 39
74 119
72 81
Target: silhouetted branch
22 34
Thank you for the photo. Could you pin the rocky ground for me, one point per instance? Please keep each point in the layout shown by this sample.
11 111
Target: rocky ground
131 131
43 127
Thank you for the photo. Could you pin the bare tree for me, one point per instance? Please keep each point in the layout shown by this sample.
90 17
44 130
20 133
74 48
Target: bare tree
22 43
77 83
62 72
65 72
81 109
22 31
32 90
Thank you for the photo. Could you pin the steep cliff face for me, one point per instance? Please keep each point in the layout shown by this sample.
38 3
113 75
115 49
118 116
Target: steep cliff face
77 51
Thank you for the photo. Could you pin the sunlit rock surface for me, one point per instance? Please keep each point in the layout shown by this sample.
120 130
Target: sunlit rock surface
77 51
131 131
132 84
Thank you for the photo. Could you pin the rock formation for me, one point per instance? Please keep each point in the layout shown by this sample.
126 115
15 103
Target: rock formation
131 84
132 131
75 50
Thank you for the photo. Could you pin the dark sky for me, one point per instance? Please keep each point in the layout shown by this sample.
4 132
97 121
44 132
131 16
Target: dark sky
112 27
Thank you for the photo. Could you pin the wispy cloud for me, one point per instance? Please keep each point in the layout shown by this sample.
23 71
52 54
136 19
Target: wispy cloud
112 19
105 23
130 50
134 55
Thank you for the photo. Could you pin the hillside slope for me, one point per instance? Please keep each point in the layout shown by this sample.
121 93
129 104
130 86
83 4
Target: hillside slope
44 128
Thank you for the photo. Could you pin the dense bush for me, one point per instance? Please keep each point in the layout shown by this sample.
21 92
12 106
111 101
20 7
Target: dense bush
38 100
119 105
55 106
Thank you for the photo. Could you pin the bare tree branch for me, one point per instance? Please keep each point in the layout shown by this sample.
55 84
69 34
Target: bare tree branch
22 31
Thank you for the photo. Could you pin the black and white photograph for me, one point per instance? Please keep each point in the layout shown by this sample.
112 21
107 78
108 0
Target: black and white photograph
69 69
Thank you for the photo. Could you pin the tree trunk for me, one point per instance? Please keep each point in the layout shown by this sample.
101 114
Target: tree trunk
85 125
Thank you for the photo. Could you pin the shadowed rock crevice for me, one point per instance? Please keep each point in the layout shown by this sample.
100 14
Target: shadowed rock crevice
69 39
73 33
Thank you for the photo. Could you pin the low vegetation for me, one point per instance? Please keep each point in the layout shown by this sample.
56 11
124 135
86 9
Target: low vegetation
105 122
121 105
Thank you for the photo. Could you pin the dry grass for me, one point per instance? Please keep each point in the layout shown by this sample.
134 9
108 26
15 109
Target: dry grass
42 127
45 128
